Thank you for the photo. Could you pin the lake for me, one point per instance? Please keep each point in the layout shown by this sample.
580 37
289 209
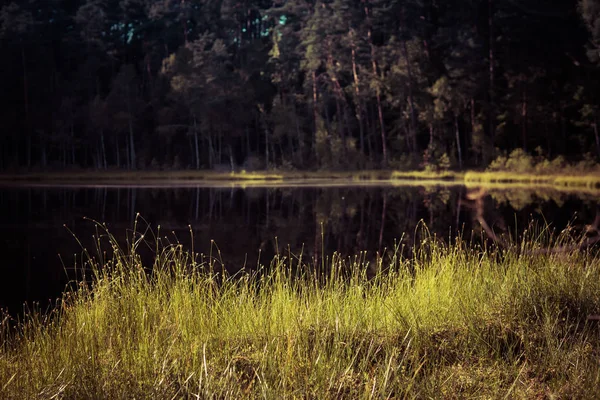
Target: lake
41 225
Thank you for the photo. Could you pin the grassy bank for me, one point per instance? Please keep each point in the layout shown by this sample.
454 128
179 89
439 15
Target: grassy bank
452 322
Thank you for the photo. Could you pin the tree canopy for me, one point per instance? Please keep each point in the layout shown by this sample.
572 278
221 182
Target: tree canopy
296 83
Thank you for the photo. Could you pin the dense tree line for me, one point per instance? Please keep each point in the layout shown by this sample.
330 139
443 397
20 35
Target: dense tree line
296 83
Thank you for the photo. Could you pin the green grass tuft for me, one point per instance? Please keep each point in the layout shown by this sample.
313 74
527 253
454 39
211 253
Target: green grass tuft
452 322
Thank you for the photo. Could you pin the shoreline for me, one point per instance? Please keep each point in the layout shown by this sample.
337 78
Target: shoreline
588 181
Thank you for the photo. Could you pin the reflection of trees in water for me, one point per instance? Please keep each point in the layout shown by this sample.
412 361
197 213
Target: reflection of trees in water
244 223
486 212
348 220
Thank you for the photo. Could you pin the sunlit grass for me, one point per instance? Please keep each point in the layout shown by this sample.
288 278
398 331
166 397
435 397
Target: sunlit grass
452 321
420 175
506 177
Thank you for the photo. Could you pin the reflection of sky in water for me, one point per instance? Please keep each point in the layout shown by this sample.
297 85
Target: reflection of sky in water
246 224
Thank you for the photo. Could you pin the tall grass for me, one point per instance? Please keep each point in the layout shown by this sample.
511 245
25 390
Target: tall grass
453 321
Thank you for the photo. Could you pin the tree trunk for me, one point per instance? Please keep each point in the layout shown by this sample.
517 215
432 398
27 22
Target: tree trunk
458 146
210 151
269 152
220 147
378 90
357 108
371 130
103 149
597 137
524 120
131 144
408 136
28 150
315 112
413 122
183 20
381 125
86 157
127 154
339 115
72 144
196 145
491 113
98 158
339 98
248 149
266 130
299 152
430 135
25 93
473 129
117 155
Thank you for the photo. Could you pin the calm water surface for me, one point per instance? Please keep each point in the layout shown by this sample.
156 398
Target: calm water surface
249 225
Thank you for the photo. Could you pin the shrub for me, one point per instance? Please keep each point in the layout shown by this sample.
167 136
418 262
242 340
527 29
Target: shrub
435 160
519 161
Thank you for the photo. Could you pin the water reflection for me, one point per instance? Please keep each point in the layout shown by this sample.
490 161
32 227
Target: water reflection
251 225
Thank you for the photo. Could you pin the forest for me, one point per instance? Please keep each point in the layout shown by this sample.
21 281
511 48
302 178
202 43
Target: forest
296 84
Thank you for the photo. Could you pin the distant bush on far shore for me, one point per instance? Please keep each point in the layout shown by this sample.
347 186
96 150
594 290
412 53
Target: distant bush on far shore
520 161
